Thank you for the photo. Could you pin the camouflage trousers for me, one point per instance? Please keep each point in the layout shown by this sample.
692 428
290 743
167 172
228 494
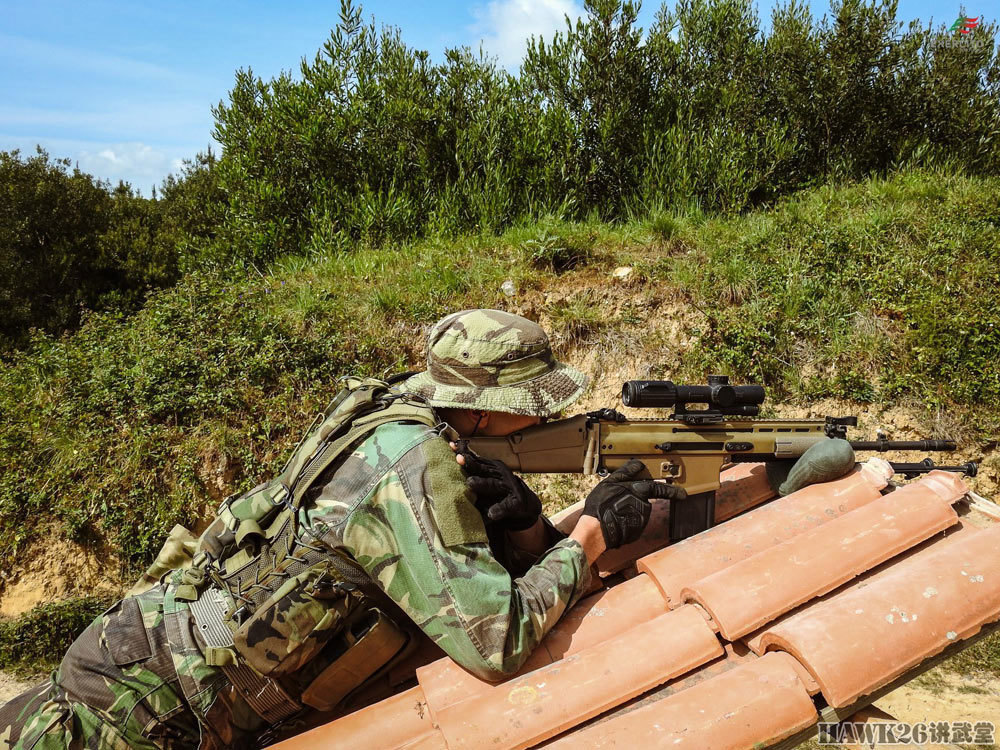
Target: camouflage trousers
135 678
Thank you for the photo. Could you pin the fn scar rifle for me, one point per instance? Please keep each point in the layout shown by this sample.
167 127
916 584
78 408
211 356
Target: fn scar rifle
689 448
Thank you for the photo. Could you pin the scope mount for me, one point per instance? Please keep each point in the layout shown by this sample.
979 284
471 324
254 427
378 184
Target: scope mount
836 427
700 417
606 414
723 404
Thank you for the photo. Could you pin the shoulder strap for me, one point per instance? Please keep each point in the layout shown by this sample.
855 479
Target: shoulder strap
363 405
396 410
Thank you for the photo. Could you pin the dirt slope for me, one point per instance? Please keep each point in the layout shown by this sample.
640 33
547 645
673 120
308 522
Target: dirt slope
652 331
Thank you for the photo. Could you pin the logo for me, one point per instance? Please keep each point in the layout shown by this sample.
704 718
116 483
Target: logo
877 734
964 38
964 24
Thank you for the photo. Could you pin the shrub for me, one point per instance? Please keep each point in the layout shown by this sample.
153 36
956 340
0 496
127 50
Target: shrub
35 641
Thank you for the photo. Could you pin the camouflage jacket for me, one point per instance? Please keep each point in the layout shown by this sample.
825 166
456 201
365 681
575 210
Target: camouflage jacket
399 505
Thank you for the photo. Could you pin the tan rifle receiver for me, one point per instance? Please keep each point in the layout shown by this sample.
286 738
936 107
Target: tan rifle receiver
687 449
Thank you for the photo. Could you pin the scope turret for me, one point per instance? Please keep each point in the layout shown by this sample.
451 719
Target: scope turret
718 395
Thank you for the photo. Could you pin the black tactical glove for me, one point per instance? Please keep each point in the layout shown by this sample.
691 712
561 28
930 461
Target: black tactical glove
621 503
502 497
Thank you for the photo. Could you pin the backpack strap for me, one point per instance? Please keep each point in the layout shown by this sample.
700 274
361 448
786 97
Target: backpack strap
360 428
361 407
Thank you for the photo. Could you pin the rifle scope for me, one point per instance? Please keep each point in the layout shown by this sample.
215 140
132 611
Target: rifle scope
718 394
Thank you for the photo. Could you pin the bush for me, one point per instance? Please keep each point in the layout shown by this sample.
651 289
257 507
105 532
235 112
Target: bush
69 242
375 144
35 641
52 259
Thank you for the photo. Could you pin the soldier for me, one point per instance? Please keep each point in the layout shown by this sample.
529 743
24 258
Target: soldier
305 589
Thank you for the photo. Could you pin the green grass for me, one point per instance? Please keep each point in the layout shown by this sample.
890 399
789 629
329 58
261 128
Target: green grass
577 318
982 658
883 290
35 641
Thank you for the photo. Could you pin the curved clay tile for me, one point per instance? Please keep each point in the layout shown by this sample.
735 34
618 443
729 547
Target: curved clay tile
753 705
755 591
538 705
400 721
743 486
960 529
684 563
863 638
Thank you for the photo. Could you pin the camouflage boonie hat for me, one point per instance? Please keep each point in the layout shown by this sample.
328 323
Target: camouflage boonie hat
493 360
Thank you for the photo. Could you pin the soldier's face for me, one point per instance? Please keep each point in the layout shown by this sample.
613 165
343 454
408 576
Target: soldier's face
476 423
499 424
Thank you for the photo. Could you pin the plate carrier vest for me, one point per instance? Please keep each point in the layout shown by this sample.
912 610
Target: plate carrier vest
268 598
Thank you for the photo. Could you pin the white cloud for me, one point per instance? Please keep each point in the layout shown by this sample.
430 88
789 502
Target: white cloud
140 164
506 25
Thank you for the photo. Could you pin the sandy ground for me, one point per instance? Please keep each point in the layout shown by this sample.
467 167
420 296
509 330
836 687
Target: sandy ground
939 695
11 686
55 569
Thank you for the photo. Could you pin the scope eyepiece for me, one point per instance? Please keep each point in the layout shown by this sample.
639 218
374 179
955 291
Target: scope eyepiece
718 394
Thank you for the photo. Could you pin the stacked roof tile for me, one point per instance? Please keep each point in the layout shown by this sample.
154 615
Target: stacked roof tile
739 637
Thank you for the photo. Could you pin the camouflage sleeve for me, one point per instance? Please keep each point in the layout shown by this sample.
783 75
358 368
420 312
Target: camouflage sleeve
516 559
420 537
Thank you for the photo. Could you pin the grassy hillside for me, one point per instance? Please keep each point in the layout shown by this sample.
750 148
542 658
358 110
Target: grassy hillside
370 142
881 291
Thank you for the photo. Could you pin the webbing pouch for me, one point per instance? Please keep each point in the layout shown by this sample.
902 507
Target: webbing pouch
296 621
377 643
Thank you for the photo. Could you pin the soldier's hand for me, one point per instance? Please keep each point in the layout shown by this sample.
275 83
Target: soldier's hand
621 503
502 497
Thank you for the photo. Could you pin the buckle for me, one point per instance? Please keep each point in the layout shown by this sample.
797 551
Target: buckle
281 497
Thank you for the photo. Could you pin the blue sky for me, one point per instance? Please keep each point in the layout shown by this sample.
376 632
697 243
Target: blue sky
125 90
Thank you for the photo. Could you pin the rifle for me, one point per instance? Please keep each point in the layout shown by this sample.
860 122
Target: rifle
689 448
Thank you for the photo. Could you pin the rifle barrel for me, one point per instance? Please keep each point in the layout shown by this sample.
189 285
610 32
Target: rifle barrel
903 445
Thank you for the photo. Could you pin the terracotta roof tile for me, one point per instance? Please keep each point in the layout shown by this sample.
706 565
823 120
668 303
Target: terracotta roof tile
752 705
540 704
755 591
743 486
861 639
396 722
962 528
689 561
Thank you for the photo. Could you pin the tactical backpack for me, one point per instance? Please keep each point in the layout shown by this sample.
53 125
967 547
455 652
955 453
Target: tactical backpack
267 597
